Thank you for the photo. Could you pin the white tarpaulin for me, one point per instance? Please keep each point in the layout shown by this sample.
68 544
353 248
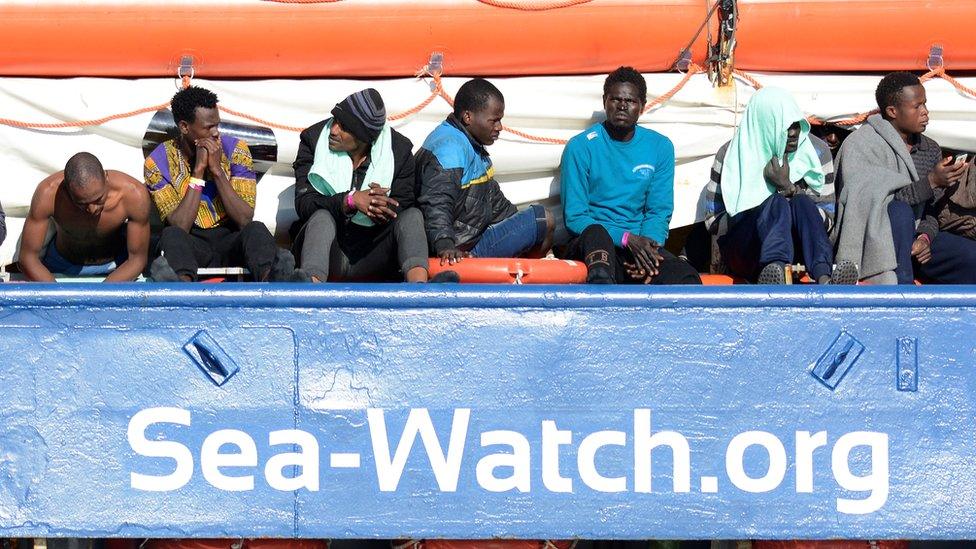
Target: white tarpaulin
698 119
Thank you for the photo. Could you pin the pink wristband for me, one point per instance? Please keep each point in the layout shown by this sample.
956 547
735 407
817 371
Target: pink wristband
349 202
624 239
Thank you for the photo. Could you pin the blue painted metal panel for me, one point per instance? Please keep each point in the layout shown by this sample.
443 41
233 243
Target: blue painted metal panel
535 412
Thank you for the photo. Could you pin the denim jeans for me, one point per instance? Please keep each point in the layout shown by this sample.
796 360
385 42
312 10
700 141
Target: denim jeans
513 236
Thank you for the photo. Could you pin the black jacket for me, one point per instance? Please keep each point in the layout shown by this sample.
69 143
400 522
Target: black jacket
462 199
308 200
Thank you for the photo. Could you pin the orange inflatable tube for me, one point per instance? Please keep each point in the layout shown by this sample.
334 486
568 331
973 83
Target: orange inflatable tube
256 39
853 35
483 270
260 39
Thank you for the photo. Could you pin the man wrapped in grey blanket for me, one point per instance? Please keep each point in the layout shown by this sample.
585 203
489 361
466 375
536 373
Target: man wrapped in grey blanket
873 164
889 172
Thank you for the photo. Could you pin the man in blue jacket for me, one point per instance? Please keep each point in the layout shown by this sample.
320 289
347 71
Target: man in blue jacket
618 193
464 209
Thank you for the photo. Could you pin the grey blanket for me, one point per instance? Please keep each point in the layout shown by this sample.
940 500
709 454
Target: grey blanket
873 164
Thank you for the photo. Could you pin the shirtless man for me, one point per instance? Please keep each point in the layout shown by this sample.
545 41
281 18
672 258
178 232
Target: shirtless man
101 220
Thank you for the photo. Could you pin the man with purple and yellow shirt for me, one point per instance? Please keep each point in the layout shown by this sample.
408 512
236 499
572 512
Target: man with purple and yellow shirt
204 187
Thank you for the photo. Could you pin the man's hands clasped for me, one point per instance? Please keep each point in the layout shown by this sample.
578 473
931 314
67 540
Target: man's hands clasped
375 203
647 258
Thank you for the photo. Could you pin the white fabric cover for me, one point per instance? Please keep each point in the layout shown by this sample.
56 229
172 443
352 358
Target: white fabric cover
699 119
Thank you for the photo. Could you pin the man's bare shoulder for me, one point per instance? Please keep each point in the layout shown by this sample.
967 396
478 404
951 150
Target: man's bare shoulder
51 183
134 195
122 181
45 192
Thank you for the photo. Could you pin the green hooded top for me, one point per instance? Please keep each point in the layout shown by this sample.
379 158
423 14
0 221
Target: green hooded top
760 136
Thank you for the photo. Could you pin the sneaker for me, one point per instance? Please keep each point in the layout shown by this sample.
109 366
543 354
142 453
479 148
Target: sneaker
598 274
299 275
445 277
283 269
772 273
160 271
845 273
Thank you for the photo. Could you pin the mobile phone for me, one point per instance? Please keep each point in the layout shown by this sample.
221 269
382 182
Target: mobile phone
961 158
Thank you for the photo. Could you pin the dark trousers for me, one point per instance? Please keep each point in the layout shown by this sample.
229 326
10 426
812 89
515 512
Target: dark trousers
772 231
330 251
953 260
252 247
595 245
902 234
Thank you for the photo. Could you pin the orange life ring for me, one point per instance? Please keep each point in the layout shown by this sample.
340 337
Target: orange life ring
721 280
485 270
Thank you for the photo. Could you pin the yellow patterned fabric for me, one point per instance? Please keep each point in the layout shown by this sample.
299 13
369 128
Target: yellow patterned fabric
167 174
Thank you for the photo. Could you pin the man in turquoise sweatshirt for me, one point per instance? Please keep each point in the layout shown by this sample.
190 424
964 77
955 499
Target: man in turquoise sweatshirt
618 193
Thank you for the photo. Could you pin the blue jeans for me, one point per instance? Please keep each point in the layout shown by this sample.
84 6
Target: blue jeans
513 236
771 231
57 264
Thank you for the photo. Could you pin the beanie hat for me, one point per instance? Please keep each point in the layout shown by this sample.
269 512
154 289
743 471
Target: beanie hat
362 114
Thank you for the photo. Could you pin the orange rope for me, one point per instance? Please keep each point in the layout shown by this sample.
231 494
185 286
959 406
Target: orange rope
530 137
525 6
958 85
80 123
507 4
862 117
692 70
748 78
852 121
438 91
259 120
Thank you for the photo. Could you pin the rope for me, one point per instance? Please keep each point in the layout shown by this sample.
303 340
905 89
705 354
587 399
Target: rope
506 4
957 84
708 17
748 78
525 6
692 70
438 91
259 120
862 117
80 123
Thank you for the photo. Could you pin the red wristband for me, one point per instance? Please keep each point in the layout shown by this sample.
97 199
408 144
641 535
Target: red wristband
624 239
349 202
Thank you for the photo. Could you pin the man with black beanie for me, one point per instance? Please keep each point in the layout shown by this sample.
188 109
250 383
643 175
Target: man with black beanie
354 178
